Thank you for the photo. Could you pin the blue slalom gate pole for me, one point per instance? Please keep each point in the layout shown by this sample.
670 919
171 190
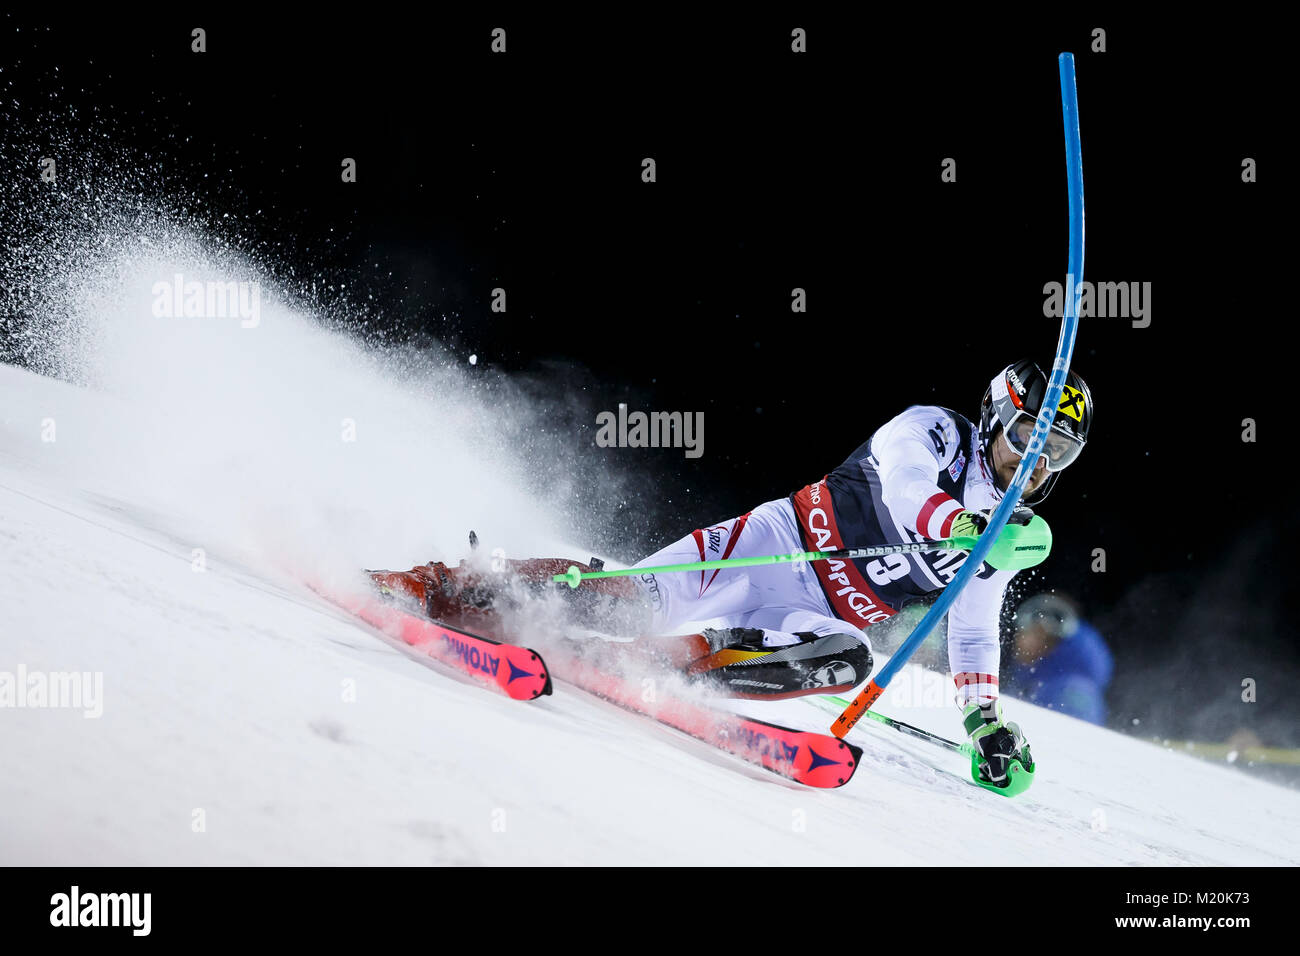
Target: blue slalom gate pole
1055 385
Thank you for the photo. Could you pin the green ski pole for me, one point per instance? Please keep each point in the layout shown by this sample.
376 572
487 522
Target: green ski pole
1018 547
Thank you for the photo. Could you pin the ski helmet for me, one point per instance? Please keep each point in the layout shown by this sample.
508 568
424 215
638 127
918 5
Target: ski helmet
1010 408
1058 616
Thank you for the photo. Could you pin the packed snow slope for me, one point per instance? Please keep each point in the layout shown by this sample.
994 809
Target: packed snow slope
158 515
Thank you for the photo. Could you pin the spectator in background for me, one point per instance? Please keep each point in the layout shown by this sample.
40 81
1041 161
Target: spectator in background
1060 661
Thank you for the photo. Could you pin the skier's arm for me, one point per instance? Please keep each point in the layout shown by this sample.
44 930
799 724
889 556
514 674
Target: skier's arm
910 451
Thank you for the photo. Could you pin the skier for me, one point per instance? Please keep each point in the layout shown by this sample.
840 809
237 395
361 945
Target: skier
794 629
927 473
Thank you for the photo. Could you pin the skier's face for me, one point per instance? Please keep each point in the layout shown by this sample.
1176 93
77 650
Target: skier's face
1005 464
1033 643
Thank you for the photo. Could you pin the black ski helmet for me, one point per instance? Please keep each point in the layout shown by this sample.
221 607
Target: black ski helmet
1011 405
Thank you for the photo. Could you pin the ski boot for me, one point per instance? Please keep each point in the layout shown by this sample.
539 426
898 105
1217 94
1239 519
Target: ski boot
737 663
1000 754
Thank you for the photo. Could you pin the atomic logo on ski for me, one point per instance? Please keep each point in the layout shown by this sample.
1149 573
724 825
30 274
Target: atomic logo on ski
473 657
819 761
516 673
526 677
771 746
763 744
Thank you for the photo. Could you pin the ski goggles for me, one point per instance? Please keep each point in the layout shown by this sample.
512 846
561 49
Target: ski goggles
1060 449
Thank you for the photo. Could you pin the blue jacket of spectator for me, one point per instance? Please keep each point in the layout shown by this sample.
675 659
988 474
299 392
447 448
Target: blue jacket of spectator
1072 678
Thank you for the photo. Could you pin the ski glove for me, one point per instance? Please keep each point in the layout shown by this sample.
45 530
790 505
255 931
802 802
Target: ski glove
968 524
997 742
972 523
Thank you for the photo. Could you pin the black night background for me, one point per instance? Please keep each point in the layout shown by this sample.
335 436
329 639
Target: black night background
774 172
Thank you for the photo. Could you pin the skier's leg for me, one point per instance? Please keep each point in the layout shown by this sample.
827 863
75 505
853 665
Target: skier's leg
684 596
780 637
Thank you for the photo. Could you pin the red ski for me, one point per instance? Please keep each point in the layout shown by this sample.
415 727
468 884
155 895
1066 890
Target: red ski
807 757
518 672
